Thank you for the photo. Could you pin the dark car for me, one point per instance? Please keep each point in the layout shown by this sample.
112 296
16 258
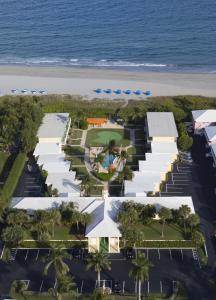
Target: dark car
130 253
116 287
77 253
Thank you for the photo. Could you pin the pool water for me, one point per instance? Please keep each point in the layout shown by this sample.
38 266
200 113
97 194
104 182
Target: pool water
108 160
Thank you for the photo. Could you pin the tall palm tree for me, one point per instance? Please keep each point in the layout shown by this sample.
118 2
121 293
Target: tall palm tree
98 261
193 220
56 259
140 271
55 218
164 214
86 185
19 287
184 212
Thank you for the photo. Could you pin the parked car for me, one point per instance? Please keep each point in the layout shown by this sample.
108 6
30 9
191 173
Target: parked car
116 287
77 253
130 253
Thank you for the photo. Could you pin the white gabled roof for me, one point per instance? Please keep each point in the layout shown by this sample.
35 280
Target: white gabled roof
164 147
153 166
53 125
65 183
205 116
57 167
142 183
51 158
47 148
103 224
210 132
161 124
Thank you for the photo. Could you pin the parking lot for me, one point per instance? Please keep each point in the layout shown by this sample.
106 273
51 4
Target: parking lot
178 182
29 264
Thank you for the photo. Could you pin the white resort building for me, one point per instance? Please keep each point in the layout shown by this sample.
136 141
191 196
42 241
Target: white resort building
104 209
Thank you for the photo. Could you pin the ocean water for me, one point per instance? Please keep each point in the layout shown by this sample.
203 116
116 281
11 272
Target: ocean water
155 35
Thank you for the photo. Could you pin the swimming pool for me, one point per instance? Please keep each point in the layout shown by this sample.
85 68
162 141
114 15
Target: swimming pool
108 160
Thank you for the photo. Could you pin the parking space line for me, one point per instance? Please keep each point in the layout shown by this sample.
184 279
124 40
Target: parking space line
148 286
158 254
182 254
161 287
170 254
41 286
135 287
36 258
81 288
123 286
26 256
147 253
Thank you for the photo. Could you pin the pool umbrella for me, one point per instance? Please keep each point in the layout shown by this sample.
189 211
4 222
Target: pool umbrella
98 91
127 92
118 91
108 91
137 92
148 93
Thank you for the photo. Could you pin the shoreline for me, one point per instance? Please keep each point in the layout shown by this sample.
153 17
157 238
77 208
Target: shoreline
83 81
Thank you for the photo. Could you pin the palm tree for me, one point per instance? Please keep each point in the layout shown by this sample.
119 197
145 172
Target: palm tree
86 185
19 287
55 219
198 238
193 220
164 214
56 259
140 271
17 217
13 234
42 232
184 212
98 261
64 284
126 174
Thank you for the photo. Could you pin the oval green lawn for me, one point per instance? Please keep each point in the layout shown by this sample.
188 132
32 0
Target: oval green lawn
104 137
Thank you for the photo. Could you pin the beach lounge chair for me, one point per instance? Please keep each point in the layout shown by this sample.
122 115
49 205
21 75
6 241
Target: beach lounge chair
42 92
14 91
127 92
98 91
34 92
117 92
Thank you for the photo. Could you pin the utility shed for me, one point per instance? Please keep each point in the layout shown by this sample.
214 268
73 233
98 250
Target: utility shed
161 126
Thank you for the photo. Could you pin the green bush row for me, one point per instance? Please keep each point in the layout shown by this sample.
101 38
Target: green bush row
12 179
166 244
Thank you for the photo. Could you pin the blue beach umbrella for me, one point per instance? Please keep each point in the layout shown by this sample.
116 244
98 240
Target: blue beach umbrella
98 91
118 91
108 91
138 92
127 92
148 93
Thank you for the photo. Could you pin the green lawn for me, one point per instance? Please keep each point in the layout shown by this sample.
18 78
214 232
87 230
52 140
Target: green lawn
75 142
3 158
76 160
73 150
153 231
102 137
61 232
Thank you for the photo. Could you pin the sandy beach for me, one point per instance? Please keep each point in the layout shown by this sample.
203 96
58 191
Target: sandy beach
79 81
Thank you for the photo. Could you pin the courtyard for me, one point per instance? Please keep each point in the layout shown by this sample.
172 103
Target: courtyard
102 137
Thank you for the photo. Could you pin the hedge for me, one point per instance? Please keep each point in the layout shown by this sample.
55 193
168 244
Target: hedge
165 244
12 179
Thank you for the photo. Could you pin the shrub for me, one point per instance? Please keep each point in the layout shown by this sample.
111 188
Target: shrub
184 141
105 176
83 125
12 179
